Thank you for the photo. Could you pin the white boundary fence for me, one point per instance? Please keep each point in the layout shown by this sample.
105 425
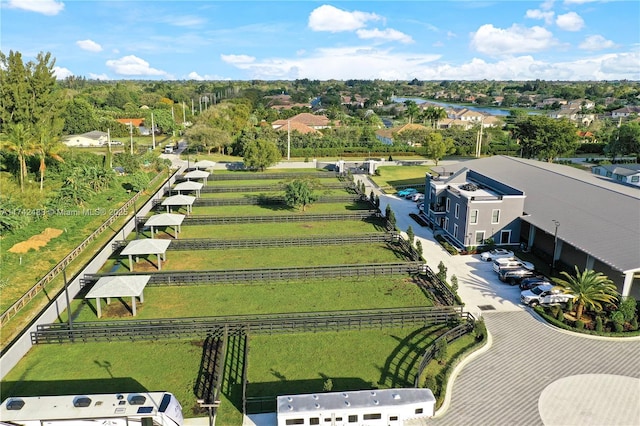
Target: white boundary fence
14 353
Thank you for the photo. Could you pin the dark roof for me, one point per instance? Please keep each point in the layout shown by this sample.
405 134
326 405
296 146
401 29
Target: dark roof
597 216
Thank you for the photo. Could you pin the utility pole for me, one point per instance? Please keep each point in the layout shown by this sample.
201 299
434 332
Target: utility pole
109 147
153 132
288 140
131 135
555 245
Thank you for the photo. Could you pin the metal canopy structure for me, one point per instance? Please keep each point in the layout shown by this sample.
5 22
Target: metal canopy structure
146 246
165 219
179 200
119 286
204 164
188 186
197 174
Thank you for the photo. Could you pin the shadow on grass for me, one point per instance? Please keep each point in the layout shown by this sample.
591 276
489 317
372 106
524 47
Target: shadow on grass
401 366
71 387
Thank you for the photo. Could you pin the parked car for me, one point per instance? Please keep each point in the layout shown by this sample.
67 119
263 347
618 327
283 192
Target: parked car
511 263
406 192
544 295
417 197
515 276
496 254
529 283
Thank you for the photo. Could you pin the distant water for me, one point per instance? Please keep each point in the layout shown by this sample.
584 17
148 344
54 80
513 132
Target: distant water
487 110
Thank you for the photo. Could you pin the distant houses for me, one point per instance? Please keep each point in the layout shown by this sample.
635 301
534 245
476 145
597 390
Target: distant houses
89 139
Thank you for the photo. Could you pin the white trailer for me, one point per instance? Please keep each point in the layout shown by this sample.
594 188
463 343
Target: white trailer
376 407
123 409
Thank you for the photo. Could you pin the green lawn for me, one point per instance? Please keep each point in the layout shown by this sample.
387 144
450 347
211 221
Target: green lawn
279 229
111 368
390 177
253 210
311 295
276 192
202 260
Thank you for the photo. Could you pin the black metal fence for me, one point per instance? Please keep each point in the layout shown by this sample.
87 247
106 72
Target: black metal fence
216 189
255 176
451 335
182 328
261 274
221 220
310 240
268 201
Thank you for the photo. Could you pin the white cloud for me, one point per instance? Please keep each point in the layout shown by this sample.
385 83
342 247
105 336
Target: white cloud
451 34
46 7
596 42
330 63
61 73
579 1
237 59
570 21
89 45
387 34
539 14
516 39
332 19
186 21
547 5
94 76
132 65
195 76
622 63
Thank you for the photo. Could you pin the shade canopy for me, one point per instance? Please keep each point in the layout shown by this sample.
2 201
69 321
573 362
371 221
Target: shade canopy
165 219
119 286
188 186
204 164
179 200
196 174
146 246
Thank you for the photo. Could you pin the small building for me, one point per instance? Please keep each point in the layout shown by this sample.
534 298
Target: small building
94 138
625 111
363 408
623 173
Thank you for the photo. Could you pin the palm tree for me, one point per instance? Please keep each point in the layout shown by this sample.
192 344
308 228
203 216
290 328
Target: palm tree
19 139
412 109
47 145
589 288
434 115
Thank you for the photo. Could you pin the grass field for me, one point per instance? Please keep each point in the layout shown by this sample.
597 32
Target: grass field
279 229
268 210
202 260
353 360
276 192
391 177
310 295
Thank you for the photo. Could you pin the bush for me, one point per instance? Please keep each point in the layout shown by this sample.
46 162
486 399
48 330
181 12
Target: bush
560 315
454 283
599 326
431 383
480 329
580 325
442 346
634 323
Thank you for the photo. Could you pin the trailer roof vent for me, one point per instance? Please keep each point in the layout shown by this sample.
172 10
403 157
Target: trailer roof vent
137 399
15 404
81 401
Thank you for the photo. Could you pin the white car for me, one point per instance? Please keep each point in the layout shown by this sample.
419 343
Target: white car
511 263
494 254
545 295
417 197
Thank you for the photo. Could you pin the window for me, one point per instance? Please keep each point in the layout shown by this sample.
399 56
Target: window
505 237
294 422
393 418
314 421
479 237
473 217
327 419
457 210
455 230
635 178
353 419
418 410
609 174
446 223
372 416
447 205
495 216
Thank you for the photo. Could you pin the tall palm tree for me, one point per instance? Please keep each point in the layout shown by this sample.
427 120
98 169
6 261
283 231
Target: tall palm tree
47 146
19 139
590 289
412 109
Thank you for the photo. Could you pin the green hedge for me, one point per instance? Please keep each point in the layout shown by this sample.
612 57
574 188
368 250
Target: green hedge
540 310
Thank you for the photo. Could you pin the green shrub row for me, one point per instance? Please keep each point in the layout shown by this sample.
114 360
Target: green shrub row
561 324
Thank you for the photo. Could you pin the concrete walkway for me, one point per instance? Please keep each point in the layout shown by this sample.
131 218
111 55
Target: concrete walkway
531 374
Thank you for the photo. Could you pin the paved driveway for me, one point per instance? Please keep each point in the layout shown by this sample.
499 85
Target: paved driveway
532 374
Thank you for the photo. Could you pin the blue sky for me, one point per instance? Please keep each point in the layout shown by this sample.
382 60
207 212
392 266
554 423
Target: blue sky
390 40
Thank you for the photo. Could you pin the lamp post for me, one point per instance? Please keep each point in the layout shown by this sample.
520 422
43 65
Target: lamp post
555 245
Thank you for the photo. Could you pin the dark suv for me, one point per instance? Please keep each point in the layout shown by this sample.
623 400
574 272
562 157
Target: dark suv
529 283
515 276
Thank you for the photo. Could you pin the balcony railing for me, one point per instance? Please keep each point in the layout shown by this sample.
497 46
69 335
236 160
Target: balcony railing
437 208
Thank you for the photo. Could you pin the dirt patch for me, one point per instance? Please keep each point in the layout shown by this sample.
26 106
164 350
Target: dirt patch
37 241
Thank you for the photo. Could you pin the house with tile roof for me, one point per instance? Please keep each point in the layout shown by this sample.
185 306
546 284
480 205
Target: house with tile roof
388 135
313 121
625 111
